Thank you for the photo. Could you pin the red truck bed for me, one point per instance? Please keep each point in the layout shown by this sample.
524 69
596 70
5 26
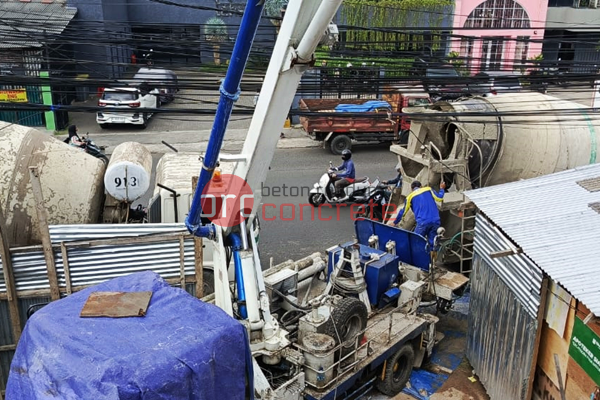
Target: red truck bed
364 122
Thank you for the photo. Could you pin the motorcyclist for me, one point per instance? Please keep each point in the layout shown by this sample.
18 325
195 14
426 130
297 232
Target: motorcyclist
74 139
345 174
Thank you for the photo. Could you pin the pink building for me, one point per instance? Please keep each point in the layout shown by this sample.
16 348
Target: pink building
498 35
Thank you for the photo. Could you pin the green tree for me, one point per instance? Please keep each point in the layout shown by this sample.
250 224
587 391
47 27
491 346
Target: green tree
273 9
215 32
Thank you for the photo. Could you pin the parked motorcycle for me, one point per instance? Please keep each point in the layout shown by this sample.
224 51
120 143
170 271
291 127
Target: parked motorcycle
374 207
90 147
324 190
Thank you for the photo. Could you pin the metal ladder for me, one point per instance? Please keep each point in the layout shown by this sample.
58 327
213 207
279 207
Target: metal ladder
467 213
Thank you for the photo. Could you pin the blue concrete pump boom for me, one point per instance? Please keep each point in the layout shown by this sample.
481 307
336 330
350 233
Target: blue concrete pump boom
230 91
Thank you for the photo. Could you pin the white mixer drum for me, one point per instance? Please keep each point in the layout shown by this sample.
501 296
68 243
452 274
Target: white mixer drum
128 173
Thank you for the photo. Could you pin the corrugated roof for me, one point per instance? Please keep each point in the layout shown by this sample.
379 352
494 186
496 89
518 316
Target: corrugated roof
22 24
551 218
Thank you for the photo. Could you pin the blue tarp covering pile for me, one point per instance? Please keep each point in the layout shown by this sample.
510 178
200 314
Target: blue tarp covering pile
365 107
182 349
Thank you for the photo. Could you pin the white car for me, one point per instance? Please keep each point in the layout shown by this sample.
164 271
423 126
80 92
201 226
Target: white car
133 101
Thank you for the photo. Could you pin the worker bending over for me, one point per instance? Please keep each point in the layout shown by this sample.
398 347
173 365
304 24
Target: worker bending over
422 201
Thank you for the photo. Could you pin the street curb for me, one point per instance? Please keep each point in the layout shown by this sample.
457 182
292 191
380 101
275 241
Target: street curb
229 146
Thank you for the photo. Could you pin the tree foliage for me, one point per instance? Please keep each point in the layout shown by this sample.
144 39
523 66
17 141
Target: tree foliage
215 30
391 14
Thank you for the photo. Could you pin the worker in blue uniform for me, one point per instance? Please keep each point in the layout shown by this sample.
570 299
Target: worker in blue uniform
422 201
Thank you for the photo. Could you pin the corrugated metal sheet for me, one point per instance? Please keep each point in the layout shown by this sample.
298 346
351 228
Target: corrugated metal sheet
6 337
549 218
92 265
501 335
25 24
517 272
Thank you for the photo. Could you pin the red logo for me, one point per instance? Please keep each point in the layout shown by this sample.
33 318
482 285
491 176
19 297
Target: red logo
226 200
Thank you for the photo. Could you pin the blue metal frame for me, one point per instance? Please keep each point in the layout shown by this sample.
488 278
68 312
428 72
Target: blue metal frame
236 246
411 248
229 94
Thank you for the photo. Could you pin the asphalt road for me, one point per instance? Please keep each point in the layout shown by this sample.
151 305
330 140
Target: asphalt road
292 236
293 173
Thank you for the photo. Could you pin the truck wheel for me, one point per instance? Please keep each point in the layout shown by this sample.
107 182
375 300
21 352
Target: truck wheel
316 199
397 371
339 143
348 318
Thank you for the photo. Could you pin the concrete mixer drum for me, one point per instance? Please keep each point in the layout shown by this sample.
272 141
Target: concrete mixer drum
485 141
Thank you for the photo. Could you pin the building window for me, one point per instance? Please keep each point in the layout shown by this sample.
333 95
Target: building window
521 50
466 50
498 14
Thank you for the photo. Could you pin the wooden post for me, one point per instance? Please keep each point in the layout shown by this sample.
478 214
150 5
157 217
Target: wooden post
65 257
182 261
199 267
198 255
44 232
11 292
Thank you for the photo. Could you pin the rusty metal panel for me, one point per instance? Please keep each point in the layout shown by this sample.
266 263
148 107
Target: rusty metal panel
116 304
501 335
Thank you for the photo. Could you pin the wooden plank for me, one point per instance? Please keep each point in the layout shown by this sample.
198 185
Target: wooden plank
8 347
9 281
65 258
23 294
551 343
199 267
561 388
181 263
44 232
129 240
576 376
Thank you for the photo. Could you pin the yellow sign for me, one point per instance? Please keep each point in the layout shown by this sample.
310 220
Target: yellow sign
15 96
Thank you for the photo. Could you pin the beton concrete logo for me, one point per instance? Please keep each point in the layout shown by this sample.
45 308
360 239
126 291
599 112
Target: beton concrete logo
227 200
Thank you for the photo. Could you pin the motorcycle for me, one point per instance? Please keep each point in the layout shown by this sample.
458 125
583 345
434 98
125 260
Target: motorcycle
376 203
324 190
90 147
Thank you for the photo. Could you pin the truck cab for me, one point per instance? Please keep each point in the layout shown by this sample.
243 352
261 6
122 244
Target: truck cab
127 105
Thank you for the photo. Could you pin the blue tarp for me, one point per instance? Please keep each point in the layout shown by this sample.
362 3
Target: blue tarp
182 349
365 107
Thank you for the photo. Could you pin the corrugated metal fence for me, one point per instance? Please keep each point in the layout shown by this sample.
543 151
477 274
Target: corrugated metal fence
503 315
89 254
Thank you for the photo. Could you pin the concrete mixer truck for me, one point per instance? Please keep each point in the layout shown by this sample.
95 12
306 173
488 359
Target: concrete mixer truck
484 141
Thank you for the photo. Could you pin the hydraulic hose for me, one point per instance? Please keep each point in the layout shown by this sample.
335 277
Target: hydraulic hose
236 244
229 94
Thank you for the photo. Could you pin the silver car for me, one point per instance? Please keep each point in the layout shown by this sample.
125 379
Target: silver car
162 79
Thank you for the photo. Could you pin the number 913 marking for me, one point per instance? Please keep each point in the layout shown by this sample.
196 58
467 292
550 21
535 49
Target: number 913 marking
124 182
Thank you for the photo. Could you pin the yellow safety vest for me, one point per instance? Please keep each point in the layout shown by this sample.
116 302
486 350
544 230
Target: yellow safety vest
414 193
